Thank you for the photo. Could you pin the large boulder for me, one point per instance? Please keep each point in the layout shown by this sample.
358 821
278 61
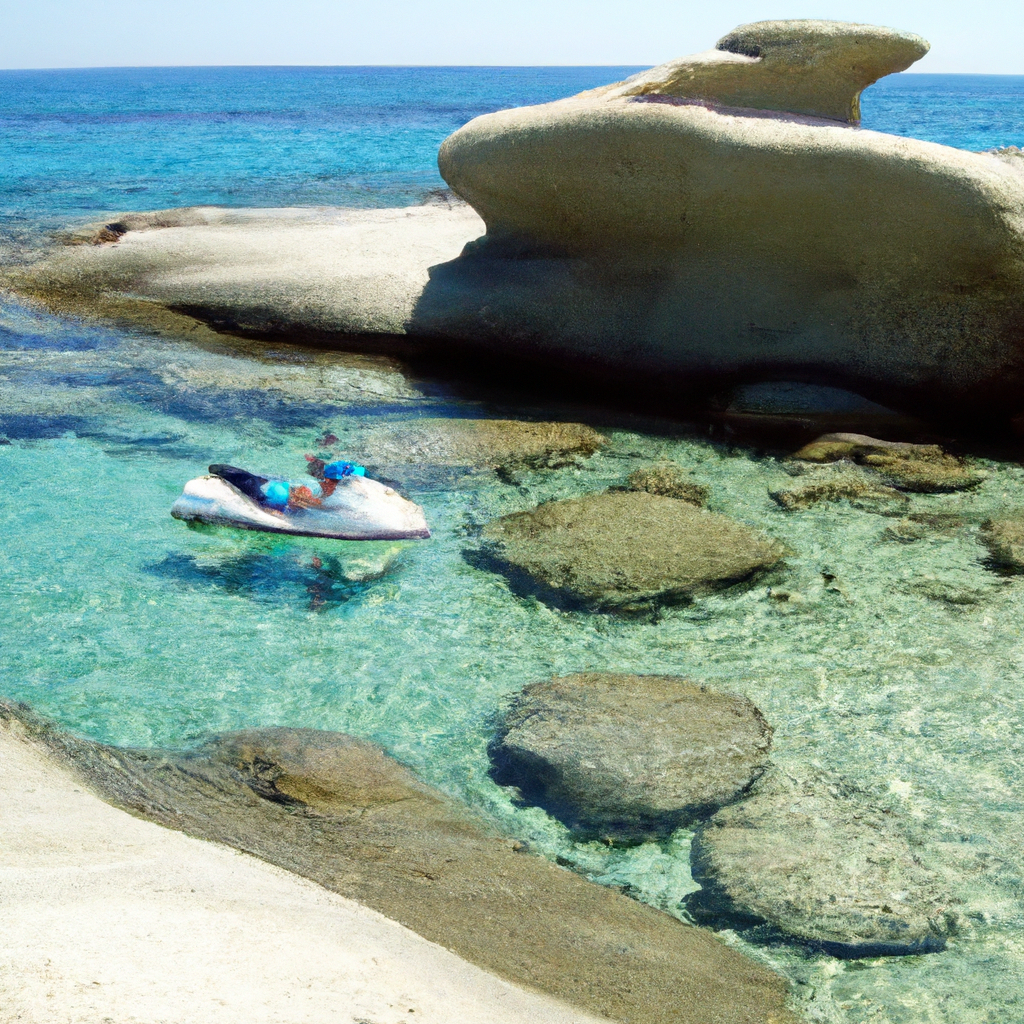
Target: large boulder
720 218
815 859
629 757
623 549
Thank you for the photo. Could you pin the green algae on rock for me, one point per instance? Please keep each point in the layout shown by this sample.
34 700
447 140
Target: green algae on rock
859 490
923 468
629 757
821 864
668 480
480 443
620 549
1004 538
340 812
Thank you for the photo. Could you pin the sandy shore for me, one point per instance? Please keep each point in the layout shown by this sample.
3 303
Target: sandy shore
109 918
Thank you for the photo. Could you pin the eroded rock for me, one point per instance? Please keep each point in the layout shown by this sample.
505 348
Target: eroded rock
629 757
621 549
816 860
804 67
689 231
342 813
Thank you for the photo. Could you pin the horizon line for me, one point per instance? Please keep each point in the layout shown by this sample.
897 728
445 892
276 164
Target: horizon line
496 67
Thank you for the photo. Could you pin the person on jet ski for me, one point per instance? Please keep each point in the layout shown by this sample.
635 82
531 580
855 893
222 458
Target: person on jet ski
284 495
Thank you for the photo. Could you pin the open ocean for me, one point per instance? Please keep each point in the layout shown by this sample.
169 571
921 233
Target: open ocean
124 625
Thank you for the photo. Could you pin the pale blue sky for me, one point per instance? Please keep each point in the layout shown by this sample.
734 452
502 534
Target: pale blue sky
966 36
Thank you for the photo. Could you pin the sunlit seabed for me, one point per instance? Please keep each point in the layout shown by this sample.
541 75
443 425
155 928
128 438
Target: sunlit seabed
129 627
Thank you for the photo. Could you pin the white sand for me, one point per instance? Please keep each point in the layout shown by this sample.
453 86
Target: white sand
107 918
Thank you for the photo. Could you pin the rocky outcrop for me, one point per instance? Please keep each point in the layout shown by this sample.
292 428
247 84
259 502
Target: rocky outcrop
924 468
623 549
629 757
688 230
711 223
817 861
342 813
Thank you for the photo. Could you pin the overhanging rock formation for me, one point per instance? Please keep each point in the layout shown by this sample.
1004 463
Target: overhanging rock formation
721 219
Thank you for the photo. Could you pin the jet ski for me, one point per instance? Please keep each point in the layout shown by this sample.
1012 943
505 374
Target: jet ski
355 508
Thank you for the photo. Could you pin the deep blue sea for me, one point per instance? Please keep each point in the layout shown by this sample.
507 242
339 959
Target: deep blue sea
88 142
902 675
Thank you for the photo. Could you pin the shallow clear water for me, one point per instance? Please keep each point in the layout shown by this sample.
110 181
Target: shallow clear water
901 673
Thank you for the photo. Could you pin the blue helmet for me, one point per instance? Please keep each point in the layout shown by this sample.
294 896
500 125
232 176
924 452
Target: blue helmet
341 469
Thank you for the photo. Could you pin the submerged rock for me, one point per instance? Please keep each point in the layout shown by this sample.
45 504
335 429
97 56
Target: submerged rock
339 811
630 757
859 490
668 480
922 525
1004 538
621 549
924 468
823 865
484 444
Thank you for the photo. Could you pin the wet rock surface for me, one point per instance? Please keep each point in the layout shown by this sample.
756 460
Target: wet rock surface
921 468
622 549
339 811
629 757
817 861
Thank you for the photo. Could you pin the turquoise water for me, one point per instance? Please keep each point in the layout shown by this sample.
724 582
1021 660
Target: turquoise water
899 669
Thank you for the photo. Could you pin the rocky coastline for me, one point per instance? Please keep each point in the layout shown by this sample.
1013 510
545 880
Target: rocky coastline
717 232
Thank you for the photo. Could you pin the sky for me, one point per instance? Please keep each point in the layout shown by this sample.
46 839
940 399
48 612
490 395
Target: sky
980 36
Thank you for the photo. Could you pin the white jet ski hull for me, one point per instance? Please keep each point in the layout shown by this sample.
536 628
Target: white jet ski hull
359 509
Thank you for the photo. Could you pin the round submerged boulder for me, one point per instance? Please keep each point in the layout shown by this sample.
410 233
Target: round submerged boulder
821 864
629 757
623 548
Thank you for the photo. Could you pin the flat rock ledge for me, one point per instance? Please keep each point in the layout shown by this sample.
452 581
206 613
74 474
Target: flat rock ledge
342 813
622 550
629 757
820 864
